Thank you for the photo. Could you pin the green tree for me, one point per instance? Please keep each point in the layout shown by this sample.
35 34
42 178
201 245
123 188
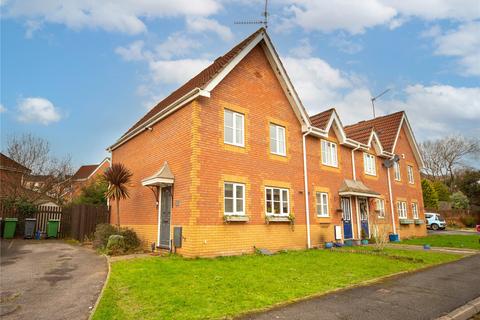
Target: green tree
430 196
94 193
118 178
442 190
459 200
469 183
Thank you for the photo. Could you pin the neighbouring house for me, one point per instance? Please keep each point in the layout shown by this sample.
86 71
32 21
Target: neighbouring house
12 175
87 174
17 182
231 161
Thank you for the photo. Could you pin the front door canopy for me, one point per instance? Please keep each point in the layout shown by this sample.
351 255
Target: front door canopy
356 188
164 177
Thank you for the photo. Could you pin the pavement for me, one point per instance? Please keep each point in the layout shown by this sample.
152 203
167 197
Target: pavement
49 279
451 231
427 294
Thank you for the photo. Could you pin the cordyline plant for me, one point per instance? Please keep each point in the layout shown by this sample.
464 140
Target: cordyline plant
118 178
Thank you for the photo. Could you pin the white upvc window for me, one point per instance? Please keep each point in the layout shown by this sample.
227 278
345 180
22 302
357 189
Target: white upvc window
369 164
322 204
277 201
234 198
410 174
234 128
329 153
402 209
396 171
381 208
415 210
277 140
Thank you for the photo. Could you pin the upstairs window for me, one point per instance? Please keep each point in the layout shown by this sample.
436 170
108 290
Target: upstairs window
234 198
329 153
415 210
369 164
380 208
322 204
402 209
233 128
410 174
396 171
277 140
277 202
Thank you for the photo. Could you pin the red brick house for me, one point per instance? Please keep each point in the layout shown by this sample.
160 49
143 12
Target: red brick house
87 174
12 175
235 163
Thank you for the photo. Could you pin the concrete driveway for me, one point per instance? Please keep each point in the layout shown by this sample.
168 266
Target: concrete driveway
49 279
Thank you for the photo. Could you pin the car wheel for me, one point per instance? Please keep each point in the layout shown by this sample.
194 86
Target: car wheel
434 226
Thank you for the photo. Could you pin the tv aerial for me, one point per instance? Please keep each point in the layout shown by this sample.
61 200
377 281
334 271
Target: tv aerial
373 99
264 21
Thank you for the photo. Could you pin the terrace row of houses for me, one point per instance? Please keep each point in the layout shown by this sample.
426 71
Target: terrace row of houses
236 163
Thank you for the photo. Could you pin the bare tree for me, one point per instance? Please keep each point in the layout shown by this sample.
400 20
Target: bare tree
444 157
54 173
30 151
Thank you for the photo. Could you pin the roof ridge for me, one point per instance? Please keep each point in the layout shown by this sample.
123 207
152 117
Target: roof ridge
375 119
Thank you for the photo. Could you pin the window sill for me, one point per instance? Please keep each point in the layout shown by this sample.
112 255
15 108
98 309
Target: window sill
330 165
278 154
406 221
235 218
271 218
419 222
234 145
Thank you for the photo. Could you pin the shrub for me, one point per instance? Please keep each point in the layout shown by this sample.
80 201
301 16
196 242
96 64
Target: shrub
102 234
115 245
459 200
132 241
468 221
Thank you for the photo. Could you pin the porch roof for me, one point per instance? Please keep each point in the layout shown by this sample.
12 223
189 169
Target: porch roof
164 176
356 188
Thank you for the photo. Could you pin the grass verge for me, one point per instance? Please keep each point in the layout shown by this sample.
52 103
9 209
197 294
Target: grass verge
177 288
447 241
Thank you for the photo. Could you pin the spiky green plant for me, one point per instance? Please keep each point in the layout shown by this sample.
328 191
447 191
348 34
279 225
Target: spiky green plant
118 178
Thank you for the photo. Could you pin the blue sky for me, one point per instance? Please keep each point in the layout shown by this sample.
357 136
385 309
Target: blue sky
80 73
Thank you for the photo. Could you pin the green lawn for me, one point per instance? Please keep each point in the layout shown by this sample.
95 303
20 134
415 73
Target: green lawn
454 241
177 288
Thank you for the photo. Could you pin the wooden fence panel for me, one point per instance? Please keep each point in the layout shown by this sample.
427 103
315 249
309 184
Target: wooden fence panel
78 221
85 219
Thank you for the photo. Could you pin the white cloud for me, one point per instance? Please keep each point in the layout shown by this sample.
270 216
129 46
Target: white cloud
37 110
176 71
176 44
303 49
201 24
351 16
121 16
463 10
355 16
316 81
463 43
132 52
2 108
